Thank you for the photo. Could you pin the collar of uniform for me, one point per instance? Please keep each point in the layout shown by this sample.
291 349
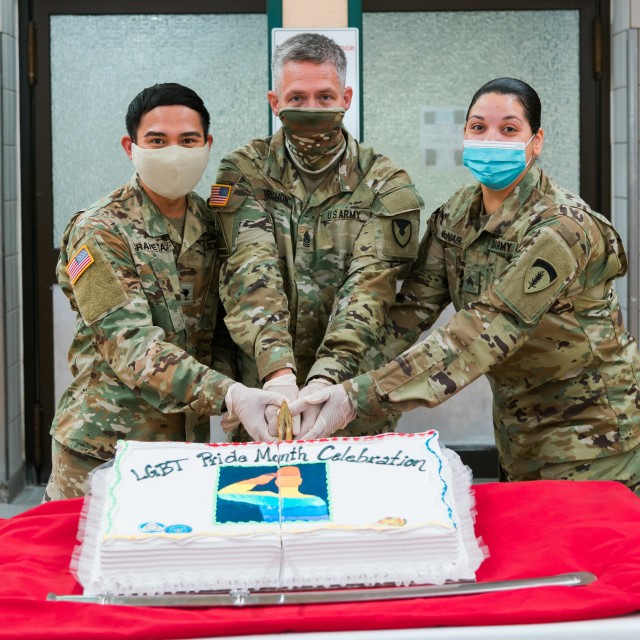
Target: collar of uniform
505 215
195 224
348 173
155 224
277 158
346 170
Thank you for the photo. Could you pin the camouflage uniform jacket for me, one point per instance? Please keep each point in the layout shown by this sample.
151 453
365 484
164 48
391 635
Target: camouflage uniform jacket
146 303
310 277
536 312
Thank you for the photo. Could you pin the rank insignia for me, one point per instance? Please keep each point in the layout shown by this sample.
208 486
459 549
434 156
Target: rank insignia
401 231
539 276
220 194
80 262
471 281
186 292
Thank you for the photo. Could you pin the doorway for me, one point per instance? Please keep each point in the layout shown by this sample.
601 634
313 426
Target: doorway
86 61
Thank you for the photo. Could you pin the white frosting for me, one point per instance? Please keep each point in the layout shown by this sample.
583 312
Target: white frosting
167 517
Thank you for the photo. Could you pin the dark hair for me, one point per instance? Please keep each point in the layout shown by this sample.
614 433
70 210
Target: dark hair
164 95
525 94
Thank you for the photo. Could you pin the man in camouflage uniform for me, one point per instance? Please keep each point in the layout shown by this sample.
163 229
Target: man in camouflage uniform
317 229
536 313
140 268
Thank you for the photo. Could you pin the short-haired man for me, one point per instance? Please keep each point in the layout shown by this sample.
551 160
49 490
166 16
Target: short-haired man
318 229
140 268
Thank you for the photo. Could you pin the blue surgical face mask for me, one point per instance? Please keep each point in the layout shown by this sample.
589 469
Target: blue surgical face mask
496 164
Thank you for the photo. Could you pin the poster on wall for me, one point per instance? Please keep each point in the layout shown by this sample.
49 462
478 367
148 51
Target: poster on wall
348 39
441 132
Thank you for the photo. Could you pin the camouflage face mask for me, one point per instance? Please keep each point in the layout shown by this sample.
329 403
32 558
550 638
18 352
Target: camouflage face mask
313 136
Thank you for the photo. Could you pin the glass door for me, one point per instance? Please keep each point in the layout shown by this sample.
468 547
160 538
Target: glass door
423 62
93 58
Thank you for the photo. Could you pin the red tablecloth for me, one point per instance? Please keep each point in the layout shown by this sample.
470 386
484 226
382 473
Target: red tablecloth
532 529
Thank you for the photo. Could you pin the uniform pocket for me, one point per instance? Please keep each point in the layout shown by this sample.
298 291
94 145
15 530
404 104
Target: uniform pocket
162 291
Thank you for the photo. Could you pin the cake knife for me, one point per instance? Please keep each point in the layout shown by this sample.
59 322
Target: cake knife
247 598
285 423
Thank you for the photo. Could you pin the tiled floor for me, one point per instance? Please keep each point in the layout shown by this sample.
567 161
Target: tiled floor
29 497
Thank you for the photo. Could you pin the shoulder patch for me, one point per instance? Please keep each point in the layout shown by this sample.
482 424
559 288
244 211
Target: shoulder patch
220 194
79 263
539 276
536 278
100 291
401 228
398 236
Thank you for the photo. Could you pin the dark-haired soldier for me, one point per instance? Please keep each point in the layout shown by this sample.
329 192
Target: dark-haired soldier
140 268
529 268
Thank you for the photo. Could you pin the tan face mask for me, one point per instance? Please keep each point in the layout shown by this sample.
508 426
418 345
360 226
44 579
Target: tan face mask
172 171
313 136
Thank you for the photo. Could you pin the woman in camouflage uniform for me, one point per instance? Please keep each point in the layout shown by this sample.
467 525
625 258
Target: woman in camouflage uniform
529 269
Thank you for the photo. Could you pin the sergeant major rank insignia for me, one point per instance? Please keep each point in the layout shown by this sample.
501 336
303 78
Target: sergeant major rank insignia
539 276
401 231
220 194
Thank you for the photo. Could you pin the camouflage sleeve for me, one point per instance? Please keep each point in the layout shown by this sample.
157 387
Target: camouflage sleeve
110 297
482 334
385 246
251 286
423 296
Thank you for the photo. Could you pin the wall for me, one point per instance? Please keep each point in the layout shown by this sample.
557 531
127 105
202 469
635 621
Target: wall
11 409
314 15
625 18
625 30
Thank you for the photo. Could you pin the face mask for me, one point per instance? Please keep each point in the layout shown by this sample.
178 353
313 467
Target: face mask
170 171
494 163
313 136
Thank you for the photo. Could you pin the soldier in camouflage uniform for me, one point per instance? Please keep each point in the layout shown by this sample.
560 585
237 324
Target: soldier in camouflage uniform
317 230
529 268
140 268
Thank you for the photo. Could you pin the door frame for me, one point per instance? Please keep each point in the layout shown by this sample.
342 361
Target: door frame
594 64
595 118
40 257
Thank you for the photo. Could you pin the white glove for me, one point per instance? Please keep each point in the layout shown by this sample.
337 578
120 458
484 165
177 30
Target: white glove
248 405
288 387
310 414
336 412
229 422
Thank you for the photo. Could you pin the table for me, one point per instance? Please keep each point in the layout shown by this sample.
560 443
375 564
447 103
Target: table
531 529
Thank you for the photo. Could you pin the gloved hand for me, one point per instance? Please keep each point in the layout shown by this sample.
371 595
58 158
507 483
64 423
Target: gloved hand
229 422
248 405
309 415
336 412
288 387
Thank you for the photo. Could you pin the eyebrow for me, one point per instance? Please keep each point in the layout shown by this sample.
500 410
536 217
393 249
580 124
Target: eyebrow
162 134
513 117
296 91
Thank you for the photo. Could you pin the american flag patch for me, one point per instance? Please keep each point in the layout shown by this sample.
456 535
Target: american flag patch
79 263
219 195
